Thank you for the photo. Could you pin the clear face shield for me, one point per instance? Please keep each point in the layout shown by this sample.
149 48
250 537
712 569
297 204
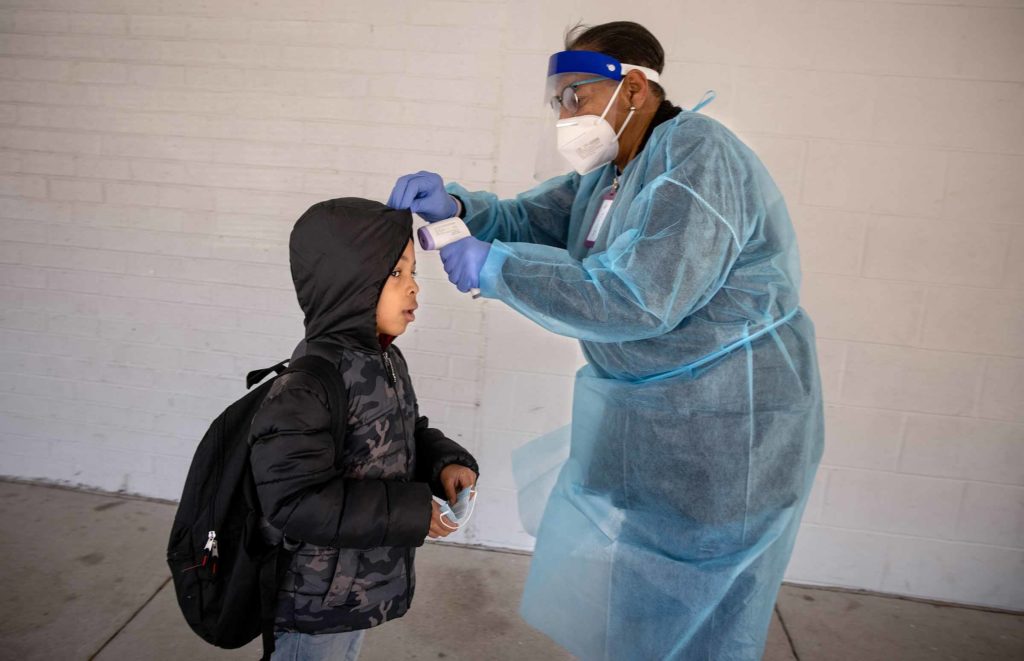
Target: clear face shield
576 132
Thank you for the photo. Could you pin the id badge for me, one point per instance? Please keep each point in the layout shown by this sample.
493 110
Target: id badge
599 218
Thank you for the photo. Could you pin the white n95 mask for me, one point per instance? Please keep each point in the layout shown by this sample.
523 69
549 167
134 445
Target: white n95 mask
589 141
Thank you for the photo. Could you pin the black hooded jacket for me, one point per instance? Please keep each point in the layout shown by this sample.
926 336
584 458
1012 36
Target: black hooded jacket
355 521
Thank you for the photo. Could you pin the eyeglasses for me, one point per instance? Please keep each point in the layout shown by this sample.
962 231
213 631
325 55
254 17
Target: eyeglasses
568 99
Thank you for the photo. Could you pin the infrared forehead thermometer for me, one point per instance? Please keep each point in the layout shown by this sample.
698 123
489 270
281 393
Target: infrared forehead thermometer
442 233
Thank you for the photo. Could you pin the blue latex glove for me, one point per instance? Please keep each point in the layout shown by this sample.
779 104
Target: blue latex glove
463 261
423 193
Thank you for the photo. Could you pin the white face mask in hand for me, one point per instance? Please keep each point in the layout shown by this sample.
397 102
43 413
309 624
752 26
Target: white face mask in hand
589 141
460 512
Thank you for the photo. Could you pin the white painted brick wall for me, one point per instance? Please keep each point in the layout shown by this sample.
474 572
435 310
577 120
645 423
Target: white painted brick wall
154 155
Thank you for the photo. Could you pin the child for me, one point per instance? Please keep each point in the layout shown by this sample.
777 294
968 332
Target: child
352 528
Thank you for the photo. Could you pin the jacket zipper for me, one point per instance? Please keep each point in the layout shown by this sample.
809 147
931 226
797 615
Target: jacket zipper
393 379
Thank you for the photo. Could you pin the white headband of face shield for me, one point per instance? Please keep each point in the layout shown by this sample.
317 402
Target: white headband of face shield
652 75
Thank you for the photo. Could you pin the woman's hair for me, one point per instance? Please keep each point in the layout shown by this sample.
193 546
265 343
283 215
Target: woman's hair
627 42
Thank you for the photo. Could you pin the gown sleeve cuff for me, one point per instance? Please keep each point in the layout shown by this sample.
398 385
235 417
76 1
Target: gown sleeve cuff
465 197
490 273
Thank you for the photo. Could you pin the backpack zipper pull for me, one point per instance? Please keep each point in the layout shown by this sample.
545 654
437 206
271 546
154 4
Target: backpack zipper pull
392 377
210 551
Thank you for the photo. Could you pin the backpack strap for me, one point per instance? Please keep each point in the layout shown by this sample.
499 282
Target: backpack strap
255 376
337 394
273 569
271 574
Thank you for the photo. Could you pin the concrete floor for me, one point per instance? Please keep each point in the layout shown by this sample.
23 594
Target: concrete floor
85 578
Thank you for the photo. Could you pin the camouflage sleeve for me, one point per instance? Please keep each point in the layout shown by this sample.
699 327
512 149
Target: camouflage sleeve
303 494
434 451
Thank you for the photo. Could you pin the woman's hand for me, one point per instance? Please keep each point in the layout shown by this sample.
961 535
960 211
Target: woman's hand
463 261
455 478
423 193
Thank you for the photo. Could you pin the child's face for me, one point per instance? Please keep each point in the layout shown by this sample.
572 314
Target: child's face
397 304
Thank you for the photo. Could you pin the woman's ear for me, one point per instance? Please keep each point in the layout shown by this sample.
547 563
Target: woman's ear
637 87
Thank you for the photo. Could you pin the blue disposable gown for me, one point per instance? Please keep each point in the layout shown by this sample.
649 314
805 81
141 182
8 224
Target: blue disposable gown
697 421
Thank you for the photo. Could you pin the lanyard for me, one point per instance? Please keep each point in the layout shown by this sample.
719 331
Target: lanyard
602 214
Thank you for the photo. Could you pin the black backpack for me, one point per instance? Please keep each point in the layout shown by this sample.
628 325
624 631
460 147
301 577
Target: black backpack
225 573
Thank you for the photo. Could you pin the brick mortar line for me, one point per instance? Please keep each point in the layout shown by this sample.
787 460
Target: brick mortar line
162 255
157 392
103 339
268 264
185 39
927 538
140 344
928 476
910 145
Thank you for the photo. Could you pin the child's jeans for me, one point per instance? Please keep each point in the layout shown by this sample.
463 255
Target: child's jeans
290 646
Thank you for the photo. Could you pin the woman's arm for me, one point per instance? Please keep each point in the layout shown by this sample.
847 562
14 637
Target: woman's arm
687 228
540 215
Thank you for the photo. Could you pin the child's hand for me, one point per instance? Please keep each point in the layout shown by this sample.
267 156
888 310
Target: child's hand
438 529
455 478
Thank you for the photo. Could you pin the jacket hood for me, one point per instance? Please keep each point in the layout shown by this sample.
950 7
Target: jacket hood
342 252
